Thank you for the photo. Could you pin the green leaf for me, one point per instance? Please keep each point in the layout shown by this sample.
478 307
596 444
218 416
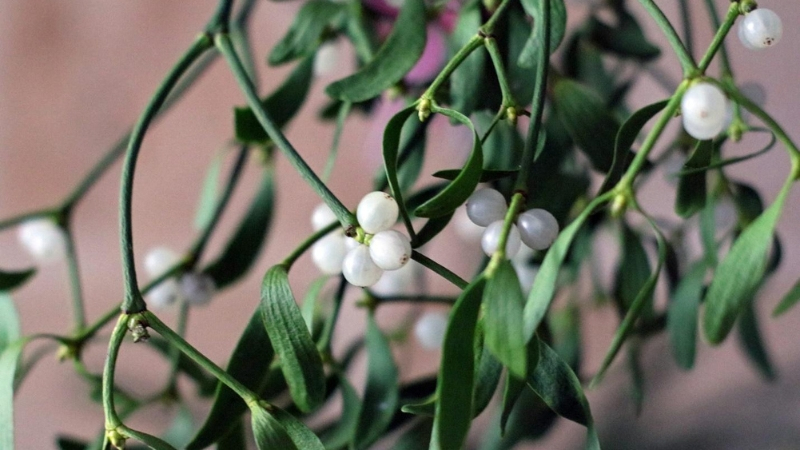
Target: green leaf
249 365
311 302
487 377
416 437
633 270
752 342
692 188
558 386
300 360
411 156
588 121
68 443
307 30
513 389
206 384
730 161
268 432
544 286
788 301
282 105
626 137
235 438
395 58
682 315
149 440
466 80
12 280
391 143
487 175
558 27
9 357
344 431
503 326
637 375
626 39
431 229
301 435
643 298
9 321
207 204
243 248
740 273
455 386
381 395
459 190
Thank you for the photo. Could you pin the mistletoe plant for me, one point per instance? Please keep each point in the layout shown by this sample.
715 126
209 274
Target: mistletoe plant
543 128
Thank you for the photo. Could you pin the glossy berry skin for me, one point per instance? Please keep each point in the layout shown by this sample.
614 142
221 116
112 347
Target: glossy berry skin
377 211
537 228
159 260
359 269
164 294
491 238
390 249
197 288
704 110
430 330
321 217
760 29
485 206
328 253
43 239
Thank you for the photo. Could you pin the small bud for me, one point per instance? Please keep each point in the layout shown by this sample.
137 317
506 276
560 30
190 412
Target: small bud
116 438
424 109
67 352
619 205
138 329
511 115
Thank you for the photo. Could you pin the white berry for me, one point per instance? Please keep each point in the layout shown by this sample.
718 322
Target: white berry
526 272
359 269
390 249
327 58
430 330
485 206
197 288
377 211
163 294
321 217
760 28
537 228
403 281
43 239
159 260
328 253
491 238
704 110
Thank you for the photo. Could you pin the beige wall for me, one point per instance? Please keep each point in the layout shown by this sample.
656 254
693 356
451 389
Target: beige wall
74 75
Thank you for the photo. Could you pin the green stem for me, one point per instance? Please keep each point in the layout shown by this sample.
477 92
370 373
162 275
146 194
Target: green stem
344 111
346 218
686 21
219 21
719 40
133 300
176 340
78 310
233 180
330 324
497 60
723 51
488 28
539 97
414 299
686 60
359 35
791 148
175 352
240 34
12 221
474 43
499 255
625 183
443 271
112 420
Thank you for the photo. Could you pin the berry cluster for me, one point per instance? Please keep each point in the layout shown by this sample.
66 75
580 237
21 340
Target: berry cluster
192 287
536 228
362 261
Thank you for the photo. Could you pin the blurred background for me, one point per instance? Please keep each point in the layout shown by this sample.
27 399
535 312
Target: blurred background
75 75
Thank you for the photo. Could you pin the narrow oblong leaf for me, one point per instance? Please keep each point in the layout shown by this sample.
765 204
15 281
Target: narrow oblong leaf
753 344
306 31
459 190
235 438
682 315
466 80
692 187
740 273
268 432
149 440
558 27
455 386
9 321
12 280
558 386
345 430
487 175
503 326
244 246
416 437
249 365
588 121
391 144
395 58
544 286
207 203
180 431
381 395
301 435
487 377
626 137
788 301
282 105
300 360
9 358
626 39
